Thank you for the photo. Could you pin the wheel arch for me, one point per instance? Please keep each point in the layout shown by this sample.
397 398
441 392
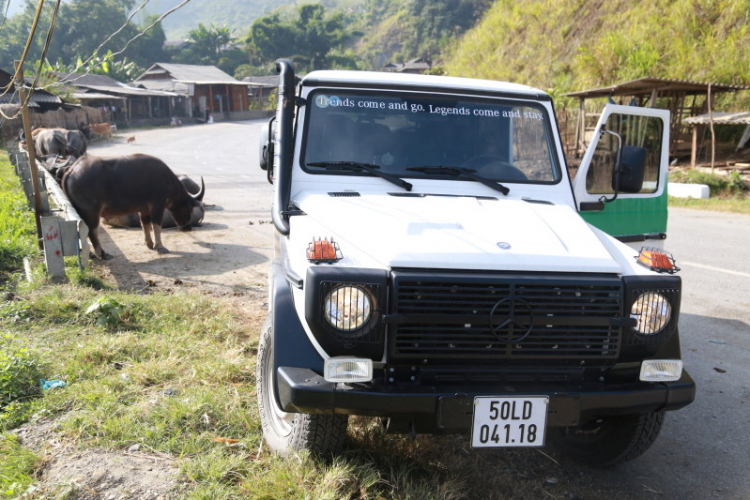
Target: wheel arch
291 346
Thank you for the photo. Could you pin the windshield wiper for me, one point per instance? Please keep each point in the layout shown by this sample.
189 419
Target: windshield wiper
465 172
355 166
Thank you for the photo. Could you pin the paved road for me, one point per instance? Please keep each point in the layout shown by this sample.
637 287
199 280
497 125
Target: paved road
703 451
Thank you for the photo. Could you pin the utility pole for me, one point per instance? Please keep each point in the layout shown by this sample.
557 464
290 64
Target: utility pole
30 149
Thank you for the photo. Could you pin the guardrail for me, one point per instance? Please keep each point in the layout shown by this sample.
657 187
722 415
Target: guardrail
64 234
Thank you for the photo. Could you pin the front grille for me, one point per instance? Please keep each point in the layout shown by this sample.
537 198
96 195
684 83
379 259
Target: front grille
504 317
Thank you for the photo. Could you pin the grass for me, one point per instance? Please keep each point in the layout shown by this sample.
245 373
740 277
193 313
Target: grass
733 205
17 227
17 466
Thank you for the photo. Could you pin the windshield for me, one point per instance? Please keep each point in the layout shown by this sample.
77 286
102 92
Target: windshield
495 139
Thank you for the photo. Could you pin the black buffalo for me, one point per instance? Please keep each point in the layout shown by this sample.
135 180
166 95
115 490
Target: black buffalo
196 217
103 187
58 142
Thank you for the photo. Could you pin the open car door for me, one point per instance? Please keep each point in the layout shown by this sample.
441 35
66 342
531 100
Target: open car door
621 185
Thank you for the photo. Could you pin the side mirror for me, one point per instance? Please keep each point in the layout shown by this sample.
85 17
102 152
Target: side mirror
629 170
630 167
266 146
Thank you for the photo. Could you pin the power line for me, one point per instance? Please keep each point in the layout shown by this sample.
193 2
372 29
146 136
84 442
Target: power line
16 75
47 43
26 48
110 37
124 48
88 71
45 49
5 15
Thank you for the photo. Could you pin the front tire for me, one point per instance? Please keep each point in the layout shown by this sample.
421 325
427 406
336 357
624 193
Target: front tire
291 432
608 441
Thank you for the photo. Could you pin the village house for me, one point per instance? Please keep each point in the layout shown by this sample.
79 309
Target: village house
124 104
207 89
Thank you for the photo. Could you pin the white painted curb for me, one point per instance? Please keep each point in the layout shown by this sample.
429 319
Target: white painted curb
687 190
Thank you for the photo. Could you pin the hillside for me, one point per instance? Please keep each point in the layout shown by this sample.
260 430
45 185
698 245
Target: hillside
399 30
237 15
565 45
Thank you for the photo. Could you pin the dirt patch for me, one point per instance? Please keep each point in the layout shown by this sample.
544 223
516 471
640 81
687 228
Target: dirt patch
70 473
220 256
101 474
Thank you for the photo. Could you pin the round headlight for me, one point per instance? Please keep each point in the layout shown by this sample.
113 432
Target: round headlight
347 307
652 311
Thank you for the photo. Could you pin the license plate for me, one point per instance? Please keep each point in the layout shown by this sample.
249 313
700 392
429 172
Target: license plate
509 422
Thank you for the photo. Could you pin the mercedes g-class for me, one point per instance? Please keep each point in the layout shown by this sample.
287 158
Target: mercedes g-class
436 266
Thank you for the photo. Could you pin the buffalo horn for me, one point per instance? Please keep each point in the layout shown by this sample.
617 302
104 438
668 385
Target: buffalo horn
199 195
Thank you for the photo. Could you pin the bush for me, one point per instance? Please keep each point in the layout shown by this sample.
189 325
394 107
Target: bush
20 371
718 185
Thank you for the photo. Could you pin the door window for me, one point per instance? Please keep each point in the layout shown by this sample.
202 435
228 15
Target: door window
643 131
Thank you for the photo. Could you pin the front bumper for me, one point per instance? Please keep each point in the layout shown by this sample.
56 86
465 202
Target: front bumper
449 408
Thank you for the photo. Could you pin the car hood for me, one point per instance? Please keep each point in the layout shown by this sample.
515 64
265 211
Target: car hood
458 232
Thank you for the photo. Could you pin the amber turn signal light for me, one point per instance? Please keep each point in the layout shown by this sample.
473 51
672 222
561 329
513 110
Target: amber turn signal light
657 260
323 251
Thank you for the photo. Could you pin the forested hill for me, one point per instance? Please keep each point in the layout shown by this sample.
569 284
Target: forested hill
565 45
237 15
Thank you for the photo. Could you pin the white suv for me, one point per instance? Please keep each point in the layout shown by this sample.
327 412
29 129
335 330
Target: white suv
434 268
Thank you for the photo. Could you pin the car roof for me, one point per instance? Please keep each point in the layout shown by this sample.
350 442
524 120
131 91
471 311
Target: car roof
376 79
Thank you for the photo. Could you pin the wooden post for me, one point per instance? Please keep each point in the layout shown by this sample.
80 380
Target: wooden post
694 150
711 122
30 148
53 250
579 126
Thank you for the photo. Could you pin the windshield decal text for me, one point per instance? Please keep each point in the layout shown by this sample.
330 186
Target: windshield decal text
324 101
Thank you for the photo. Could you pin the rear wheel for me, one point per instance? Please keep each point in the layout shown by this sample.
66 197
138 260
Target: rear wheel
608 441
288 432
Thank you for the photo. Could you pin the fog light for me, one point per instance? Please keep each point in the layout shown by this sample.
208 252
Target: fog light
661 370
344 369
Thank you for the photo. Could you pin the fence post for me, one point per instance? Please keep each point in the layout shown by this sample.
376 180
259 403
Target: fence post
53 248
19 83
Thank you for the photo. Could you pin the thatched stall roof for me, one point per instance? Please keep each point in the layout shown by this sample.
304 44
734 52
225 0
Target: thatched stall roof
739 118
647 86
683 98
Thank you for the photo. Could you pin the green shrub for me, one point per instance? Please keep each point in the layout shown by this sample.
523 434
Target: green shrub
106 311
718 185
20 371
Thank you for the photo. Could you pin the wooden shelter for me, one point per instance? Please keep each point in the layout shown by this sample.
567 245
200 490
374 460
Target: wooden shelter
208 89
681 97
123 103
712 119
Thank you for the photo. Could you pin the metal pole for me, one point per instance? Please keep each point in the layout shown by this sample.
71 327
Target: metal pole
30 148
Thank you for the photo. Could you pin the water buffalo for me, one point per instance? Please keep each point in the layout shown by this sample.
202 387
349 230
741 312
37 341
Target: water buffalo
104 187
56 165
196 217
59 142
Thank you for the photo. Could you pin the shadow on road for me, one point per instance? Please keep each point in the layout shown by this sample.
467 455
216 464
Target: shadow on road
123 271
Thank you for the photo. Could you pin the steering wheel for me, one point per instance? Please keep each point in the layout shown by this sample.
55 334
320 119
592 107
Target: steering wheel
494 167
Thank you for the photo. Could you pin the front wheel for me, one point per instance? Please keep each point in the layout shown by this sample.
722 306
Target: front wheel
289 432
608 441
